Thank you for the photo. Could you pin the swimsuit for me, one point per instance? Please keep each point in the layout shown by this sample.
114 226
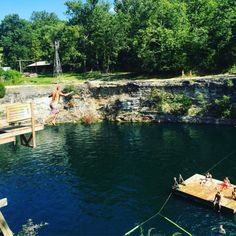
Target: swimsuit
55 108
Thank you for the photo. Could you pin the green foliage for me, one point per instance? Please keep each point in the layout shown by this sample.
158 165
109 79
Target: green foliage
230 83
11 75
31 229
166 102
142 36
221 107
232 70
69 89
2 90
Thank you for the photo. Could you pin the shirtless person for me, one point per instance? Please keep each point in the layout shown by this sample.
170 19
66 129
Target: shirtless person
54 104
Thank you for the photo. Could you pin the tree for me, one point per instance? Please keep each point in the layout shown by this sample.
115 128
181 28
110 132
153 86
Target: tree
16 39
160 45
45 29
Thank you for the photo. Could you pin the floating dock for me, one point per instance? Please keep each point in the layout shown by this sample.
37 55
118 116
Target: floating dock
195 189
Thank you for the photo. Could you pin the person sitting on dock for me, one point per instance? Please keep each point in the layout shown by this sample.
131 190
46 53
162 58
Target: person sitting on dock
176 184
225 184
217 200
208 177
234 194
181 180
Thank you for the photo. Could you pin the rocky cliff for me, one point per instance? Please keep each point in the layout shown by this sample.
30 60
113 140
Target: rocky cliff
193 100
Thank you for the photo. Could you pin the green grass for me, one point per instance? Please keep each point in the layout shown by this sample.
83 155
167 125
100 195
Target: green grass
67 78
70 78
47 79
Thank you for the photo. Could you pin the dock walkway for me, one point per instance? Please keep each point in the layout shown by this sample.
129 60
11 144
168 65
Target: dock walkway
205 192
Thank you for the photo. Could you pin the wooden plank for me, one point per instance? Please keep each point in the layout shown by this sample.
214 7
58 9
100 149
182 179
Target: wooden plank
4 226
206 192
19 130
7 140
3 202
18 112
33 125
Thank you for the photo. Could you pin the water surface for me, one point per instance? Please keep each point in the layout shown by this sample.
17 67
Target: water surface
102 179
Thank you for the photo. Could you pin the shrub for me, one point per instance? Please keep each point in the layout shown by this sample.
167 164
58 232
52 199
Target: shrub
2 73
11 75
166 102
31 229
68 89
2 90
229 83
232 70
221 107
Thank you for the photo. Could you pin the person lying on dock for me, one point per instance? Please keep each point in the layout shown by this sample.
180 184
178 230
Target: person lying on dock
225 184
234 193
208 177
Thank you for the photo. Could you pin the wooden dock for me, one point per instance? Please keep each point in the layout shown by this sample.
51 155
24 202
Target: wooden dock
20 121
4 228
205 192
9 134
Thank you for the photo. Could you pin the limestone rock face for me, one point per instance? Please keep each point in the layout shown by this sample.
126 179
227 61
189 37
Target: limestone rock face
166 100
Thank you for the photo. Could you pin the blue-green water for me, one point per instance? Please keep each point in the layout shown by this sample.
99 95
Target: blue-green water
102 179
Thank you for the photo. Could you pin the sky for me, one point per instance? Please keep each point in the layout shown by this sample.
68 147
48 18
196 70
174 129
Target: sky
24 8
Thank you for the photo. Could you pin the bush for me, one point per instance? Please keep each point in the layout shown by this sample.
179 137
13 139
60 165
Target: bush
31 229
2 73
221 107
166 102
2 90
11 75
232 70
68 89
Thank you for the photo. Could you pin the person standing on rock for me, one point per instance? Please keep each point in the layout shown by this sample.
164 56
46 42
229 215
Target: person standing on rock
54 104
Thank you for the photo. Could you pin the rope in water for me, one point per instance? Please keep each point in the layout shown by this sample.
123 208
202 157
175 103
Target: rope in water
172 222
158 213
227 156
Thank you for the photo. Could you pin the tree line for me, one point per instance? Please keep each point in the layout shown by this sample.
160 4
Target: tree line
144 36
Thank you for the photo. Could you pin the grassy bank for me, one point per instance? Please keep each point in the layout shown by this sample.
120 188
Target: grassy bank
18 79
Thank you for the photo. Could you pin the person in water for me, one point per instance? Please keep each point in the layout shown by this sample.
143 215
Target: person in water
217 200
54 104
222 230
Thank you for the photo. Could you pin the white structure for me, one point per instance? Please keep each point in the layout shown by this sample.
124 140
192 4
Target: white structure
57 64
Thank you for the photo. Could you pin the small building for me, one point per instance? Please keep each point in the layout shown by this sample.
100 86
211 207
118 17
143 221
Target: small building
40 67
5 68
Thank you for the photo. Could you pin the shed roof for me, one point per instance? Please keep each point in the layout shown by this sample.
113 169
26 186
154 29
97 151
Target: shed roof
39 63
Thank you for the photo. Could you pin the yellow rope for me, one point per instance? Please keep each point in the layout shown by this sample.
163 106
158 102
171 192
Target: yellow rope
158 213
